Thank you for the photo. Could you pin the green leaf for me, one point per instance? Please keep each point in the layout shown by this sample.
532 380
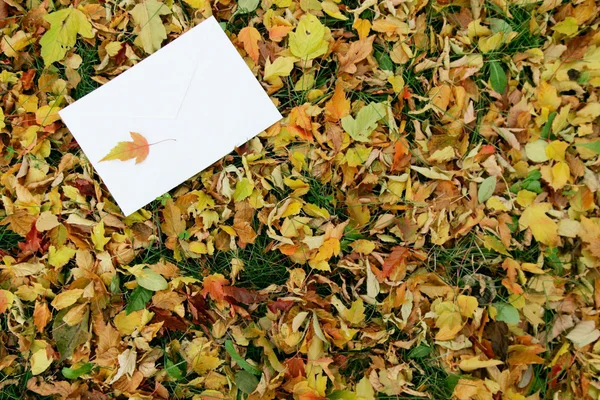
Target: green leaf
246 381
247 6
499 25
150 280
507 313
486 189
245 365
68 338
365 123
498 77
420 351
546 129
384 61
65 24
71 373
307 41
115 284
173 370
593 146
138 299
243 189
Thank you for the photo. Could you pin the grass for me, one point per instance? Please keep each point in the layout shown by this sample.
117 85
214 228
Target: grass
89 56
8 239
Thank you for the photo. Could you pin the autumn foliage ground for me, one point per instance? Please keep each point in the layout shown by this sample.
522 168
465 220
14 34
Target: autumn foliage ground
423 223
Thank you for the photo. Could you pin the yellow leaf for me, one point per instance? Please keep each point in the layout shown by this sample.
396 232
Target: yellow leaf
98 236
47 115
363 27
65 24
544 229
473 363
307 41
12 45
560 175
113 48
449 320
333 10
6 300
363 246
29 103
356 313
59 258
250 37
204 363
525 198
488 44
556 150
548 96
197 4
152 32
364 389
467 305
536 151
138 149
127 324
282 66
357 155
567 26
66 298
397 82
40 361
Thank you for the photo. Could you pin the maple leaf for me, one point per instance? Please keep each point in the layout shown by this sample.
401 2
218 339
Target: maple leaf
151 29
138 149
544 229
65 25
250 37
213 285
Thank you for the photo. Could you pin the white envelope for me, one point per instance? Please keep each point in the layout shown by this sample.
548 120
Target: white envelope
197 90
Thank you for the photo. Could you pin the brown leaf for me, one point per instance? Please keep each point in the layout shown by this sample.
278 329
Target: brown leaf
357 52
173 225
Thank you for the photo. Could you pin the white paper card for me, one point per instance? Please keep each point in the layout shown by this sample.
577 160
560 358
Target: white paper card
197 90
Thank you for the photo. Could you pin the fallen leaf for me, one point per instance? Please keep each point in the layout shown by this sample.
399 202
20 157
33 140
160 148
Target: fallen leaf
151 33
138 148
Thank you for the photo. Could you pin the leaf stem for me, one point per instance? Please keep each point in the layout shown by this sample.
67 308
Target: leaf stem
161 141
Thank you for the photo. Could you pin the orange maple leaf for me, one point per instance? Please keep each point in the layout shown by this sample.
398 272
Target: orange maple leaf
213 286
250 36
124 151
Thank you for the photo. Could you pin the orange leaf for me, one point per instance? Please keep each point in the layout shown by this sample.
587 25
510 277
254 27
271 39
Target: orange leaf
338 107
41 315
124 151
213 285
250 37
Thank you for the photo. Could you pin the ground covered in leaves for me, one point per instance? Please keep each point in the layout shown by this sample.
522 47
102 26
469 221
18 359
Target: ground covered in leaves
423 223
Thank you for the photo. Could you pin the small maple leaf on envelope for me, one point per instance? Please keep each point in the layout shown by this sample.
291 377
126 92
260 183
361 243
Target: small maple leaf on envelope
124 151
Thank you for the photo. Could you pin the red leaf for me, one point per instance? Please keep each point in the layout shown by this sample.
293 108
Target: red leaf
396 258
241 295
32 243
281 305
